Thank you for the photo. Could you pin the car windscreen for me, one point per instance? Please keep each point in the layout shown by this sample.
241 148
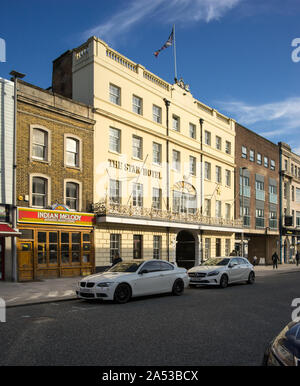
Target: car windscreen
125 267
214 262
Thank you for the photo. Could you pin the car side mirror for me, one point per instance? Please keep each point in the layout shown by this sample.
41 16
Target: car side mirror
231 265
143 271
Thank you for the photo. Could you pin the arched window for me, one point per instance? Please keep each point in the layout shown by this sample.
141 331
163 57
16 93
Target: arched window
184 198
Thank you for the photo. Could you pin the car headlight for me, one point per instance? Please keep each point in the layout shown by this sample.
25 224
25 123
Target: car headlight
282 352
105 284
213 273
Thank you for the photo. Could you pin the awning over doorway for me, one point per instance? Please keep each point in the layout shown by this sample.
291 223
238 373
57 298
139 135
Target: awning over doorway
6 230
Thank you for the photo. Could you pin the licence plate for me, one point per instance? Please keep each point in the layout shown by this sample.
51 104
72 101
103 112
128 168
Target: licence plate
85 290
195 279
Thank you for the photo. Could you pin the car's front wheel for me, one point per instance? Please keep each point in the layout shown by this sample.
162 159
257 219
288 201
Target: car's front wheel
251 278
224 281
122 293
178 287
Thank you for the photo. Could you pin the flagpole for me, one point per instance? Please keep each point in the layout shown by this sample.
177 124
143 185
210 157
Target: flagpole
175 66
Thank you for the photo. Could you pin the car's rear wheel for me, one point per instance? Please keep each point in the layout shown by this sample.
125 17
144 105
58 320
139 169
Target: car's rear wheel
251 278
224 281
122 293
178 287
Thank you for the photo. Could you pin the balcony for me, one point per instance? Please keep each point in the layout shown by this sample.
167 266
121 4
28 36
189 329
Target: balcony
247 191
260 195
106 208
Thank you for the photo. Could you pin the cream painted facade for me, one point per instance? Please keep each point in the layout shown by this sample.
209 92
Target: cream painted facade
128 134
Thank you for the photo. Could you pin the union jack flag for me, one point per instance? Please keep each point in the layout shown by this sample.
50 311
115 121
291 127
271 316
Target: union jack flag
167 44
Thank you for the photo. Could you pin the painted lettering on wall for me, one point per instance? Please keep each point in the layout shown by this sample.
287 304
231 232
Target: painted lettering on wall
134 169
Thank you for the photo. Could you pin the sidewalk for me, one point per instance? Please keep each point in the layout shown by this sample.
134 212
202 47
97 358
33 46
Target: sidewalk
50 290
264 270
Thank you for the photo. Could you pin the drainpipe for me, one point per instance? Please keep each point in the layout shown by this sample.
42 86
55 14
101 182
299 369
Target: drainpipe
167 103
201 121
280 203
15 75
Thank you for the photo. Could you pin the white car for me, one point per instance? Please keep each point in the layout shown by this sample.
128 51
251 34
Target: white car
134 278
222 271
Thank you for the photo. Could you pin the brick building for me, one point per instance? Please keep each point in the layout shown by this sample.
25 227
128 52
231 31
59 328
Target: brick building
54 185
290 203
257 193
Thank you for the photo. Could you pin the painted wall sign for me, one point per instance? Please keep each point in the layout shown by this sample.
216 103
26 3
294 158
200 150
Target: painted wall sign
134 169
44 216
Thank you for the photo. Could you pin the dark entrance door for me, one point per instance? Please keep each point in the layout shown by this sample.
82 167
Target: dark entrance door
2 255
185 250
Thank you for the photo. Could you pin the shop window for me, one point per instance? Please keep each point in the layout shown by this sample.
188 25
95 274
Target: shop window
76 241
53 243
42 252
65 256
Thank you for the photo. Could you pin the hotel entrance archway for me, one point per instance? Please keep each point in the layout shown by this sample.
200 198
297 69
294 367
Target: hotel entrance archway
185 249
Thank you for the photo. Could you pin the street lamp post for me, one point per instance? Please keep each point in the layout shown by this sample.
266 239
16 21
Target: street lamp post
242 238
15 75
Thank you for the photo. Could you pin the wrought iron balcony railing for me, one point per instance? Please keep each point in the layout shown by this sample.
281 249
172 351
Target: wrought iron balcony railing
106 208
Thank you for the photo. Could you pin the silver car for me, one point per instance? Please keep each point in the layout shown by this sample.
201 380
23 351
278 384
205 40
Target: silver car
222 271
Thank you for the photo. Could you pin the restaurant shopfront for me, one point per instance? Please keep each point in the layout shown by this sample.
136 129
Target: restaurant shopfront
54 243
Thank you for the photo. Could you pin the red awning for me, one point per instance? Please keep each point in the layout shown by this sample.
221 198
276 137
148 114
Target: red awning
6 230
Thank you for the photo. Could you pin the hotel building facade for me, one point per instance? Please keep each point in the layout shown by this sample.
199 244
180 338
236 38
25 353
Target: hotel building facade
163 161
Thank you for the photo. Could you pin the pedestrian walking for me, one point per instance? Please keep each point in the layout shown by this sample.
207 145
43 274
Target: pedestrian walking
297 258
275 259
117 259
254 260
233 253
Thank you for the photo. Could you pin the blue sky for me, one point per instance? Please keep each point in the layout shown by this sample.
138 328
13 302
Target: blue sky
236 55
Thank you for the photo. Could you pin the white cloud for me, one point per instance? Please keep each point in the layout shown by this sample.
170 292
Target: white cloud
278 121
179 11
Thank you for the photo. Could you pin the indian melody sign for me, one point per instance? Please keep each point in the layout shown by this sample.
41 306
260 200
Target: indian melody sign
44 216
